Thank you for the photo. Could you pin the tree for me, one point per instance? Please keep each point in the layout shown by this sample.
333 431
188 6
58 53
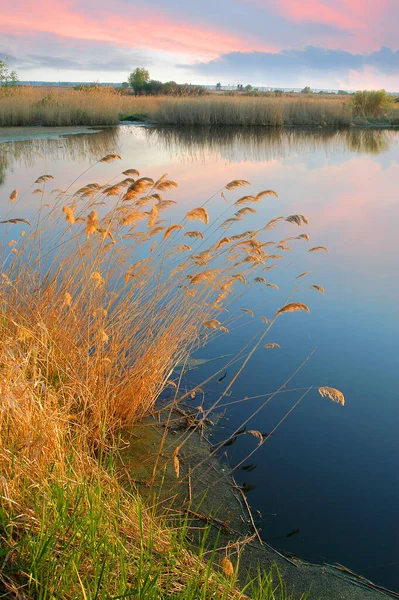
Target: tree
7 77
248 88
218 85
138 79
306 90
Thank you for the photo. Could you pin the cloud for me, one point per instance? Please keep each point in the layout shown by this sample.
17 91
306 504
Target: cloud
364 25
234 35
264 68
96 57
123 25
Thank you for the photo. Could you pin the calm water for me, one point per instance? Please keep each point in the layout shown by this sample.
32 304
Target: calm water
330 471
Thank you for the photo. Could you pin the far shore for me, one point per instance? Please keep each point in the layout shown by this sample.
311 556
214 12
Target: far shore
93 107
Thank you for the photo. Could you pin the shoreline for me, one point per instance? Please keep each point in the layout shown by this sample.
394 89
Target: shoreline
30 132
354 125
228 514
25 133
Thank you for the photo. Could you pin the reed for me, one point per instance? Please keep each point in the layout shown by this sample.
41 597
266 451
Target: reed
24 106
28 106
102 296
255 112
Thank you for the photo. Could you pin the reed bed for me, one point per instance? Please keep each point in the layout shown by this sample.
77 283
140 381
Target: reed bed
255 112
105 106
101 297
54 107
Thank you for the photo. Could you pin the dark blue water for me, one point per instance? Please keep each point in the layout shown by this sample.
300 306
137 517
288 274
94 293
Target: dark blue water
329 471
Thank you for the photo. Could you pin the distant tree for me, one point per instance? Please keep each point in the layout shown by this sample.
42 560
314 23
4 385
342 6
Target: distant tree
154 87
138 79
218 85
7 77
343 93
125 84
306 90
240 87
278 93
248 88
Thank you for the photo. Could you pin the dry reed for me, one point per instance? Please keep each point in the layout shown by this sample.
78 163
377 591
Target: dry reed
105 106
254 112
27 106
94 319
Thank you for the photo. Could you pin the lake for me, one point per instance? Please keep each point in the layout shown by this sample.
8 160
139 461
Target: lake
328 477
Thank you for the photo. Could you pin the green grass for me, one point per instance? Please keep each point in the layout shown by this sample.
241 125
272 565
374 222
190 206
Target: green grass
71 545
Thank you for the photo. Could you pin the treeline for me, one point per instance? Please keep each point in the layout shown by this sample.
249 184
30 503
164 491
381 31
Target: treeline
170 88
141 83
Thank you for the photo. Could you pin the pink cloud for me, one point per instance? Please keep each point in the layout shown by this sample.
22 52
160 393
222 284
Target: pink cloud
344 14
142 28
365 24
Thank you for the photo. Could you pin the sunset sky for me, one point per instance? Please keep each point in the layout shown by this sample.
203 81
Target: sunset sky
347 44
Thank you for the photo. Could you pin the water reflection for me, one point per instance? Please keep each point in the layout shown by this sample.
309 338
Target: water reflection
257 145
190 145
63 148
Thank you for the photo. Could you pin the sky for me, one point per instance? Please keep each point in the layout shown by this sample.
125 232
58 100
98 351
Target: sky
334 44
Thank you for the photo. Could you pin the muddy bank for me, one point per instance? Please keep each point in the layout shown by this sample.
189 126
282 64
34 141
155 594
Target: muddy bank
20 134
205 491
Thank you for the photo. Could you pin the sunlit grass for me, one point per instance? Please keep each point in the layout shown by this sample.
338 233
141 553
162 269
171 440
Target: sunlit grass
248 111
27 106
105 106
102 296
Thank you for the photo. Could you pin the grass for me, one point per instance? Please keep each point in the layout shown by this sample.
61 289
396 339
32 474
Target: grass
255 112
53 107
106 106
86 537
101 297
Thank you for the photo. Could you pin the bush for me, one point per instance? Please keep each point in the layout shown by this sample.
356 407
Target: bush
371 104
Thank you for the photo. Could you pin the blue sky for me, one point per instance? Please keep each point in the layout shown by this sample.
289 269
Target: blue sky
348 44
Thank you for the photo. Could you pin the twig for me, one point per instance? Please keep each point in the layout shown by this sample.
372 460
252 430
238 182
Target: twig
190 494
249 511
206 518
262 542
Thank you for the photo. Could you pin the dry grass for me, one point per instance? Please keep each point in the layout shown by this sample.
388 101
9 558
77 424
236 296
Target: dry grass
64 106
99 302
105 106
260 112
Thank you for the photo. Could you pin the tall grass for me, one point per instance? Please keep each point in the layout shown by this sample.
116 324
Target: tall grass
64 106
105 106
101 297
261 112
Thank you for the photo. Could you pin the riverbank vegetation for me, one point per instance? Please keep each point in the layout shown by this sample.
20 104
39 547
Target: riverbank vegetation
96 105
100 299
